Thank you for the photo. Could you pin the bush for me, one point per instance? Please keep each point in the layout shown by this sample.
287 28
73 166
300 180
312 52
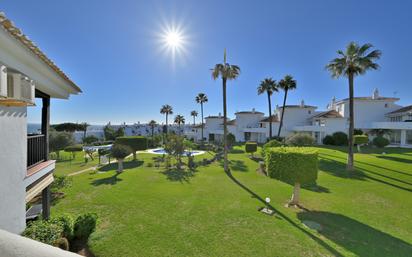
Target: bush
120 151
271 143
136 143
90 139
300 139
53 156
340 138
66 222
357 132
380 141
280 139
231 140
360 139
44 231
73 149
84 225
328 140
250 147
60 182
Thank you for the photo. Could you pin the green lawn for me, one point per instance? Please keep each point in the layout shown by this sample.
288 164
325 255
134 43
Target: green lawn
65 166
148 212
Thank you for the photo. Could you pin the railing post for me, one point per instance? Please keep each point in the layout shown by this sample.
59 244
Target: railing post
45 123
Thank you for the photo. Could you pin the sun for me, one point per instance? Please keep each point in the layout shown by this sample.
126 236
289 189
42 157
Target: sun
173 39
173 42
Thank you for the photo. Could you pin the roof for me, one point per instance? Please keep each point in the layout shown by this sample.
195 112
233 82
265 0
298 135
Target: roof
230 122
402 110
328 114
369 98
16 33
214 117
273 118
249 112
299 106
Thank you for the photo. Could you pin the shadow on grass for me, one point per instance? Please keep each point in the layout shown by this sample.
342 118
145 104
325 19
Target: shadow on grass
126 166
236 151
179 175
113 180
236 165
396 159
316 188
318 240
359 238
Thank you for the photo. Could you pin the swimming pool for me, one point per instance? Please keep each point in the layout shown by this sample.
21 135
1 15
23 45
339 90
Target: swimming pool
162 151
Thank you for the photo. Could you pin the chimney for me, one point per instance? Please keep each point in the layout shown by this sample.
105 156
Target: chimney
375 94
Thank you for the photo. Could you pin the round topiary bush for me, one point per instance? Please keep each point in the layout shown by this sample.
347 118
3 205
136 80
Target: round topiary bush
340 138
120 152
328 140
300 139
380 141
250 147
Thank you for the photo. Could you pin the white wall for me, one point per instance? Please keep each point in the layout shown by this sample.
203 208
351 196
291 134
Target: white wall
295 116
13 158
246 120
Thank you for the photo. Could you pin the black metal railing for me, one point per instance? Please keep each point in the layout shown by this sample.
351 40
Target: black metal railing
36 149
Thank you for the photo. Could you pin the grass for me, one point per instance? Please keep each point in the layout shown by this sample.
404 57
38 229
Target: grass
147 211
65 165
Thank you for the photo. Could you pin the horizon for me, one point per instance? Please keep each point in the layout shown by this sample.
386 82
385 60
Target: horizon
118 57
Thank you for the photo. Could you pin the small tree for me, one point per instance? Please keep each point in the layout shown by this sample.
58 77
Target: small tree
58 140
360 140
251 147
136 143
231 140
293 165
120 152
380 141
175 147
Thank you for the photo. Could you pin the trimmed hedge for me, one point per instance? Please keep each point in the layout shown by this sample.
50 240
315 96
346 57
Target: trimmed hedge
74 148
360 139
292 164
340 138
271 143
380 141
251 147
300 139
120 151
136 143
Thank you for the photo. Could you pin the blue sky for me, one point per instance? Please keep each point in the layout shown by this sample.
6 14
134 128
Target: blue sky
111 50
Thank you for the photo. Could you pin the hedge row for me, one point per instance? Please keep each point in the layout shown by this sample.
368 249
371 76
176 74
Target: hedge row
136 143
292 164
250 147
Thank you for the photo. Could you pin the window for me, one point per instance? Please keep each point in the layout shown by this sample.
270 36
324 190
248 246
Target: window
396 119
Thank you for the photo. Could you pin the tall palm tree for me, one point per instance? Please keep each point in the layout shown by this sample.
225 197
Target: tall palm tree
166 110
227 72
353 61
268 86
84 126
179 119
152 125
194 115
286 84
201 98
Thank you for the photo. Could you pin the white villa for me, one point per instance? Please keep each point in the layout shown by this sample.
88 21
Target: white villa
371 113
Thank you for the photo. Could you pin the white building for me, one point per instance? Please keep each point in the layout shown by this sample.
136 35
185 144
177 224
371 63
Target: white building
371 113
25 74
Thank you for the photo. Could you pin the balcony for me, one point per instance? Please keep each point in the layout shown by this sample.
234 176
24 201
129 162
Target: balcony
309 128
36 150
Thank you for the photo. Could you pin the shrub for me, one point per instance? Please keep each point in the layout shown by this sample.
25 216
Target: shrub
271 143
328 140
53 156
66 222
293 165
44 231
360 139
340 138
120 151
357 132
62 243
380 141
73 149
231 140
84 225
250 147
300 139
175 147
60 182
280 139
90 139
136 143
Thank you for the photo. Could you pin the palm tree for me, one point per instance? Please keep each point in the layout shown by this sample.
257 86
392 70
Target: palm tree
166 110
353 61
286 84
179 119
201 98
227 72
84 126
268 86
152 125
194 115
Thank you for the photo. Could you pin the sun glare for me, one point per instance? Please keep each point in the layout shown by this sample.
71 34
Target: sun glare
173 39
173 42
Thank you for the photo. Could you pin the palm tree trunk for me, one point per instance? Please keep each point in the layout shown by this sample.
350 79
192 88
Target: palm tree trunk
270 116
120 165
152 136
225 149
296 195
349 165
167 129
201 110
194 121
283 112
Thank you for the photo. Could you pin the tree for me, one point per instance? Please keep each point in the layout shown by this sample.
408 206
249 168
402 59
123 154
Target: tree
268 86
201 98
355 60
68 127
135 143
179 119
194 115
58 140
90 139
73 149
120 152
166 110
225 71
84 126
286 84
152 125
175 147
109 132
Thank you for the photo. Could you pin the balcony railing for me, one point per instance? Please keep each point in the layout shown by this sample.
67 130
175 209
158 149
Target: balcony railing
36 149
